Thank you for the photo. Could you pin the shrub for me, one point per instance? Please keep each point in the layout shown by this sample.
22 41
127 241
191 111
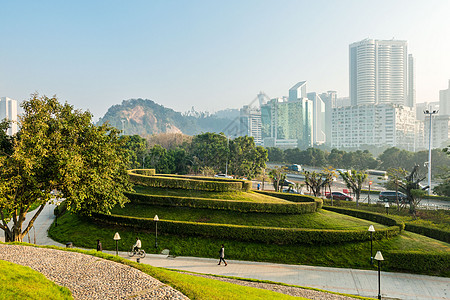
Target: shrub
241 206
375 217
181 183
432 263
189 182
430 232
268 235
294 197
146 172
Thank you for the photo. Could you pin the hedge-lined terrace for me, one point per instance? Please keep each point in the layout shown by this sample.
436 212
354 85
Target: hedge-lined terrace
188 182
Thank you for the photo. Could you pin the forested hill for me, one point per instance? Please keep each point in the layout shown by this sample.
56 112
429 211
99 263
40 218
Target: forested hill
145 117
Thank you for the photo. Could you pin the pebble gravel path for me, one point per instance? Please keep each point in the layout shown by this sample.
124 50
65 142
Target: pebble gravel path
288 290
89 277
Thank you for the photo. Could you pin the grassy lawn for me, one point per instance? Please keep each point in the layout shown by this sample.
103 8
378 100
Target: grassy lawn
19 282
433 218
241 196
319 220
83 233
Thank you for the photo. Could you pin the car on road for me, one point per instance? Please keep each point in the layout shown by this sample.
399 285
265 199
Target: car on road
390 196
288 183
291 191
339 196
223 176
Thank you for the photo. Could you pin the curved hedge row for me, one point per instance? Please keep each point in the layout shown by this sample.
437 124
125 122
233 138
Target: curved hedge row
146 172
268 235
294 197
434 263
246 185
433 233
370 216
188 182
181 183
241 206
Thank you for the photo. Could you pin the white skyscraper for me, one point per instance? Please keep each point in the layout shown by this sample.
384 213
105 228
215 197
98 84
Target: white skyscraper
444 101
379 72
411 81
8 110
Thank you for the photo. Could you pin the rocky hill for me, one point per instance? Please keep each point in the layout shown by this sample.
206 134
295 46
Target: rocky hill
145 117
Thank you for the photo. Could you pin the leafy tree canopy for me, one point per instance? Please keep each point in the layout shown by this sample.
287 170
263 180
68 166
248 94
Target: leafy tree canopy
58 148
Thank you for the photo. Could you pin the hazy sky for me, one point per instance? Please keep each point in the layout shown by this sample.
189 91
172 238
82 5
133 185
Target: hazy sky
207 54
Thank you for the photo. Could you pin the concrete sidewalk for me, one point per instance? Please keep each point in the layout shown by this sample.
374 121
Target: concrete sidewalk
350 281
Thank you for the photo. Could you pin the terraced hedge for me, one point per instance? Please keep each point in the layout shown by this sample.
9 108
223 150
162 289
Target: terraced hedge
418 262
294 197
370 216
246 185
430 232
269 235
146 172
241 206
187 183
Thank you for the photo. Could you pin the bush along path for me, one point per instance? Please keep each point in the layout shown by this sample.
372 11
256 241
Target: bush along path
89 277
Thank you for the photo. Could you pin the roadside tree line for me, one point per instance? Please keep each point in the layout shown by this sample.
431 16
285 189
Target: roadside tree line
207 153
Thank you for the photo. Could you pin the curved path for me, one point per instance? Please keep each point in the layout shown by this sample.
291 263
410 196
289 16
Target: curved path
355 282
89 277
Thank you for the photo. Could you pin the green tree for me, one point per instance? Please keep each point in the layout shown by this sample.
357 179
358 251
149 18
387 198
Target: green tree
316 181
354 181
410 187
278 177
245 159
210 150
136 149
396 176
275 154
335 158
158 159
59 148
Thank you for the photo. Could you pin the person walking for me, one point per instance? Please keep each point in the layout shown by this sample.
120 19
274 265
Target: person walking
99 246
222 256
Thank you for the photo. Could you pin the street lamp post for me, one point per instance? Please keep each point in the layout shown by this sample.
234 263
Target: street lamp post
387 208
156 219
228 150
430 113
57 213
371 230
379 258
117 238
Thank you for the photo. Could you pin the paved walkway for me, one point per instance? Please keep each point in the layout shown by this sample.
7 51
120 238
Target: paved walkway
349 281
356 282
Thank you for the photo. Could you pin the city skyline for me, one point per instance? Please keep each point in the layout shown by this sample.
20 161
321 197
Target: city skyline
208 55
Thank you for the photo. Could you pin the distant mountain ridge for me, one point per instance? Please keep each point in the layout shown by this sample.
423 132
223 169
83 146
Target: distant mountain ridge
145 117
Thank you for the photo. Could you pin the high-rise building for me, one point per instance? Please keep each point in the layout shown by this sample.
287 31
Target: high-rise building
378 72
374 125
411 102
444 101
250 123
440 130
331 101
318 119
287 121
8 110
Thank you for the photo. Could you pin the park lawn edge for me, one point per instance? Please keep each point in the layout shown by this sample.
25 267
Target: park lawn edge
274 282
41 288
152 271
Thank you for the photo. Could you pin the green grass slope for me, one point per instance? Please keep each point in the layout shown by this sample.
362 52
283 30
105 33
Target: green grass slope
19 282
